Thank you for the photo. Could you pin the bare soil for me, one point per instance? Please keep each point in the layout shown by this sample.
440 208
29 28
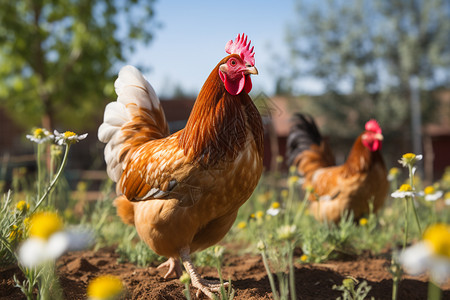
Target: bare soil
249 278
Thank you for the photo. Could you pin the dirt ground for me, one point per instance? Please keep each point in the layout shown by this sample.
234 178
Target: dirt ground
249 279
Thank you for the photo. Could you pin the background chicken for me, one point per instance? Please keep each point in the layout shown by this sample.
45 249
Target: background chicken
182 191
362 178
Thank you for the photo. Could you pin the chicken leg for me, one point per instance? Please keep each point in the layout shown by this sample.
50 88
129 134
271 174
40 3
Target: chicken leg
203 285
174 266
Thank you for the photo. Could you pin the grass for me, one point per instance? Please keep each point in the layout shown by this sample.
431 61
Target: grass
273 223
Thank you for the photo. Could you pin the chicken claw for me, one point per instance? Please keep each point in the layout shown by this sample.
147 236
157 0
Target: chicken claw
174 267
207 287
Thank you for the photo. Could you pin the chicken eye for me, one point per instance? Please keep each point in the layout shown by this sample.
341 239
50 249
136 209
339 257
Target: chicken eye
233 62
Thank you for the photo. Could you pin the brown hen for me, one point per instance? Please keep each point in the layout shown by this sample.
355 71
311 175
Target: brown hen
182 191
338 189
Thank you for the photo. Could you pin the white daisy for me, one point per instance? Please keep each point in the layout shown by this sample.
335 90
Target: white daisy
405 190
431 194
409 159
48 240
431 254
40 135
68 137
274 209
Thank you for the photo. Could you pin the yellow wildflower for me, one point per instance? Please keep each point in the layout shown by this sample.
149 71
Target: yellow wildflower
279 159
242 225
394 171
105 287
44 224
185 278
26 222
309 188
15 233
22 206
284 193
293 179
304 258
259 214
363 221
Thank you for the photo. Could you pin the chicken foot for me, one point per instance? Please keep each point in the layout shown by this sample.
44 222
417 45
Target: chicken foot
202 285
174 266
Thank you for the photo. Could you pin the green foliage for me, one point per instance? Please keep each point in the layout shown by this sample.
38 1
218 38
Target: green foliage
365 54
348 289
136 251
57 57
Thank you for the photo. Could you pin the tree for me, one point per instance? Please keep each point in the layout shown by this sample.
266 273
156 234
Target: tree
367 54
57 56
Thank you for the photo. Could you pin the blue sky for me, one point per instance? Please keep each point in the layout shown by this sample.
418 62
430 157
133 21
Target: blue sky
193 35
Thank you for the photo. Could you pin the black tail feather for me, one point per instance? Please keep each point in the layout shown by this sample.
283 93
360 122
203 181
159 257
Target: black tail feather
303 134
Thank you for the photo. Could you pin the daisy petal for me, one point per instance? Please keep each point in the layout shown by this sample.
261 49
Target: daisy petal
32 252
57 244
416 258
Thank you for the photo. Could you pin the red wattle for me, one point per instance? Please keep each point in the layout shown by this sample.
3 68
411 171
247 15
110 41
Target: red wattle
248 84
233 87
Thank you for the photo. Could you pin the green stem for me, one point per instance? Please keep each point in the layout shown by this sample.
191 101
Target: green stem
52 162
270 276
39 166
292 272
397 273
302 208
406 224
55 179
434 291
411 180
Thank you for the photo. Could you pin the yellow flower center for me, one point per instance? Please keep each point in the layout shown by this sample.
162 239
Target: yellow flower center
279 159
304 257
405 188
286 232
185 278
363 221
22 205
39 133
409 156
275 205
293 179
105 287
438 237
394 171
259 214
429 190
447 195
68 134
309 188
44 224
242 225
15 233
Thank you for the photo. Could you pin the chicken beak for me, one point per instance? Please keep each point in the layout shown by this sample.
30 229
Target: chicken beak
251 70
223 68
379 136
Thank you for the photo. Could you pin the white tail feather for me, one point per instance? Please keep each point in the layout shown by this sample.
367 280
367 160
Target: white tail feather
133 90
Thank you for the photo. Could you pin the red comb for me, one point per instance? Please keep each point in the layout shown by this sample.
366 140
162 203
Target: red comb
240 46
372 125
